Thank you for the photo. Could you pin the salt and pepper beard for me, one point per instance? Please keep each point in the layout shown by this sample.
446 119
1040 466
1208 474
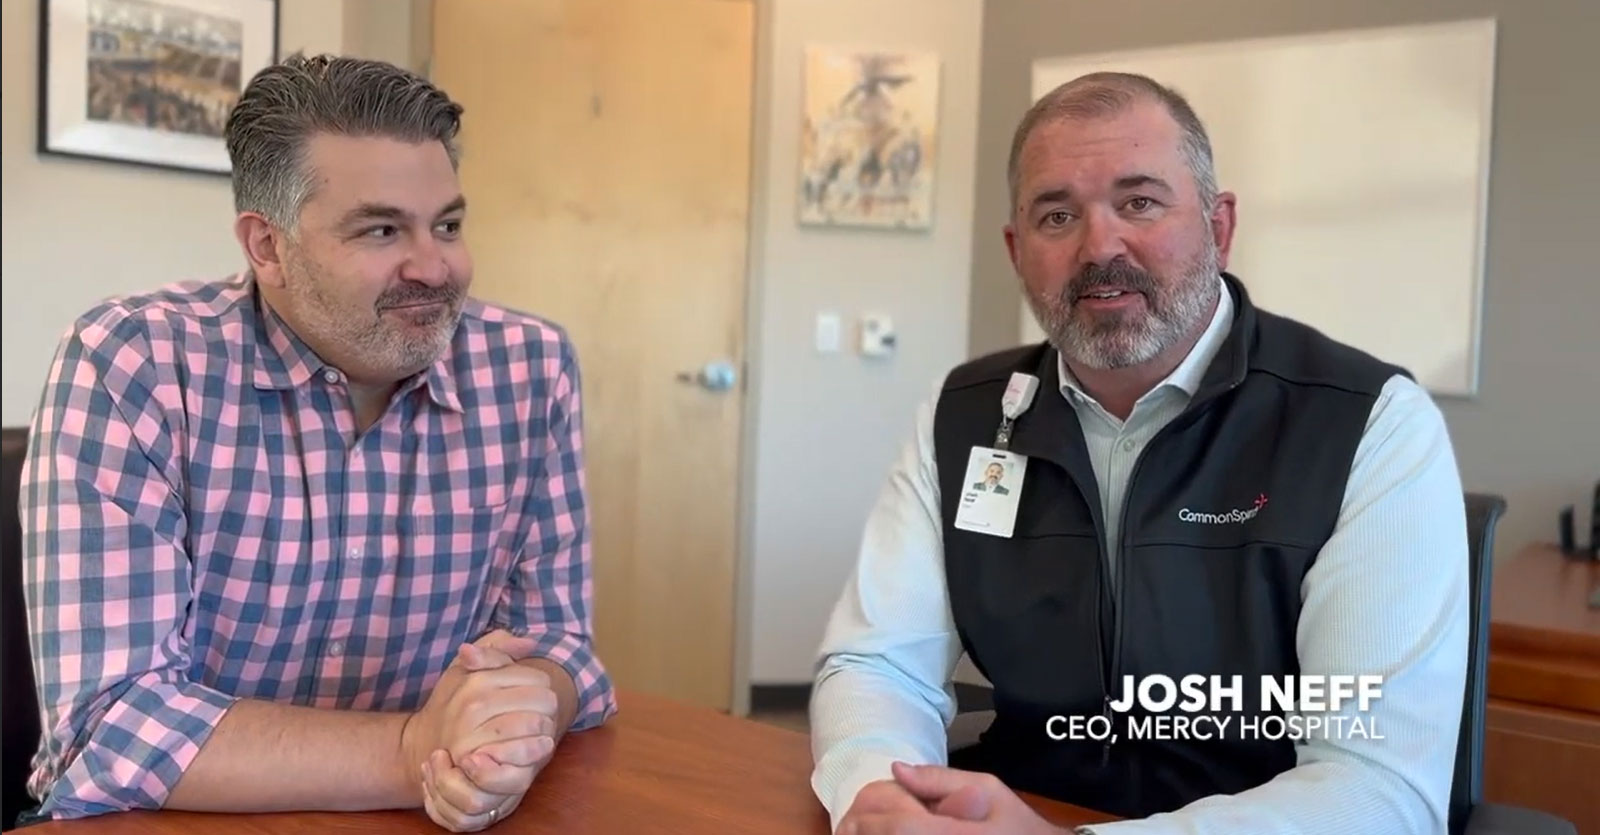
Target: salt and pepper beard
1119 339
382 343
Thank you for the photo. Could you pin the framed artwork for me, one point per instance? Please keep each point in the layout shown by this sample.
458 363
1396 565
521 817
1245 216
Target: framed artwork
148 82
869 138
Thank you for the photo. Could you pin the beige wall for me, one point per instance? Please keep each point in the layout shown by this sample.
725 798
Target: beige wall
387 30
1531 433
76 231
825 427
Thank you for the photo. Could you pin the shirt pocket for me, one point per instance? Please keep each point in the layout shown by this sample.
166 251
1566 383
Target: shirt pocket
459 560
457 537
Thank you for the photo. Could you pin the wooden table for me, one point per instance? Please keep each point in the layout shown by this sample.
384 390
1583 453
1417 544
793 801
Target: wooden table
657 766
1542 736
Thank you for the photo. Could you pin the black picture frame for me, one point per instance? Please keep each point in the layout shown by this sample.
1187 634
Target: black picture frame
166 139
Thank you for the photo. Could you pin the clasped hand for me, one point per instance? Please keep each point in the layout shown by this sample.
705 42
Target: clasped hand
488 728
932 800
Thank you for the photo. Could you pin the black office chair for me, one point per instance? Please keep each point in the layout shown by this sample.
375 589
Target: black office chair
18 699
1469 815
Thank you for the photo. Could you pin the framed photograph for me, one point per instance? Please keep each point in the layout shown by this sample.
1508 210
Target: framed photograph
869 138
148 82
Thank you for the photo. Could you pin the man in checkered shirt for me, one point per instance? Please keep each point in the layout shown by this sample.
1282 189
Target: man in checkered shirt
313 537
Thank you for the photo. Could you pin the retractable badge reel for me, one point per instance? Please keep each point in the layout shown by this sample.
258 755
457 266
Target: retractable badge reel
993 484
1016 400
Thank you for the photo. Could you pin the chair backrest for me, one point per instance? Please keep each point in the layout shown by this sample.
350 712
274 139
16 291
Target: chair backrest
1466 791
18 699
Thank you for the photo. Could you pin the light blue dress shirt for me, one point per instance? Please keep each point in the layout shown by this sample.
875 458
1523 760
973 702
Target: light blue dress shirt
1387 595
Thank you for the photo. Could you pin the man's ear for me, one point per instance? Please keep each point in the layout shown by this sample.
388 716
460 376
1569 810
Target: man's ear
262 245
1223 218
1010 233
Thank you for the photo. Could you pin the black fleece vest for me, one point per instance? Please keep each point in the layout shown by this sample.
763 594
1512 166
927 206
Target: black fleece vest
1200 589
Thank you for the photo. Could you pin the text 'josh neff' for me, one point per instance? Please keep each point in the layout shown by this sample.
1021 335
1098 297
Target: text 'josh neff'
1195 707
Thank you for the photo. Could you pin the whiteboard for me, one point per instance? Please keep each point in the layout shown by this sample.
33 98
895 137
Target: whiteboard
1361 164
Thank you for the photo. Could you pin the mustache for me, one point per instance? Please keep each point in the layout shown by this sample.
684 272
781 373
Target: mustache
412 293
1118 274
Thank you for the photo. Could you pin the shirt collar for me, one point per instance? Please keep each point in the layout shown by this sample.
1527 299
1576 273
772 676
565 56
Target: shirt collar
285 361
1189 373
441 383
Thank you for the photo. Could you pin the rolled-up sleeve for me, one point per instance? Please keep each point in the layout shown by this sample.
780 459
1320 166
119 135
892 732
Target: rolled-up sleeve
551 594
107 579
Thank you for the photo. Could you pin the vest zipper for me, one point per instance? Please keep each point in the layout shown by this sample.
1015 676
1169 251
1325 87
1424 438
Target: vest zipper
1100 667
1105 749
1123 538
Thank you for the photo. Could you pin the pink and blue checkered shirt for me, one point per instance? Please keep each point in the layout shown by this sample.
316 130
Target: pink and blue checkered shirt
201 524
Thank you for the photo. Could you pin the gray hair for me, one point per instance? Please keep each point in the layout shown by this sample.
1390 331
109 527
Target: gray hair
287 103
1102 94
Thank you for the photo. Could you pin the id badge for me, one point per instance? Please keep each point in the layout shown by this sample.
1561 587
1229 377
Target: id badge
991 491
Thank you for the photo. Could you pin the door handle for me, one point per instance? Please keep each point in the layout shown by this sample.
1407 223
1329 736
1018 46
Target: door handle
713 376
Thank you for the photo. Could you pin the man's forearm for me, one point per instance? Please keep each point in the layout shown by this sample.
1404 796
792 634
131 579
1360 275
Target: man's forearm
267 757
864 717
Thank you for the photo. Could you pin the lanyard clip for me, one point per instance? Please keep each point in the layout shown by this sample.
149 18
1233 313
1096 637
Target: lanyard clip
1016 400
1002 436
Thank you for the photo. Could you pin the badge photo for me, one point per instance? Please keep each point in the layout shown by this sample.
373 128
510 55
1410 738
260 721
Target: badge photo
991 491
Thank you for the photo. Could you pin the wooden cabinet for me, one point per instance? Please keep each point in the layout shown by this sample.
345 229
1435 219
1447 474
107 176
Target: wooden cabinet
1542 744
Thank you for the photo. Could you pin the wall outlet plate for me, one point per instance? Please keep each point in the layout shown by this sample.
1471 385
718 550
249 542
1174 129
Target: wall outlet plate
828 332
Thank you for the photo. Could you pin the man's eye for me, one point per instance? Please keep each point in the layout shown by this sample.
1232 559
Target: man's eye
450 227
387 231
1141 204
1059 217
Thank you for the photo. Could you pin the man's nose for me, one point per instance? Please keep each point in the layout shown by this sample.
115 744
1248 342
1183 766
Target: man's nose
1103 238
425 264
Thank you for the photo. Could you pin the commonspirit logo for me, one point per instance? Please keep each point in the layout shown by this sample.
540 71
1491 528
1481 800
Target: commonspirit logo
1232 517
1195 707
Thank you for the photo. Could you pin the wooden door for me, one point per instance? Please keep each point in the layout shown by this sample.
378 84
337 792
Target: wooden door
606 163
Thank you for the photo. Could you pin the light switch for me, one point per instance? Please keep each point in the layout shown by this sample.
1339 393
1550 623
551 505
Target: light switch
828 329
877 335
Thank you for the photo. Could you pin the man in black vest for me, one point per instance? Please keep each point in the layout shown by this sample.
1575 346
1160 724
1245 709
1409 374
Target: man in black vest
1201 490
